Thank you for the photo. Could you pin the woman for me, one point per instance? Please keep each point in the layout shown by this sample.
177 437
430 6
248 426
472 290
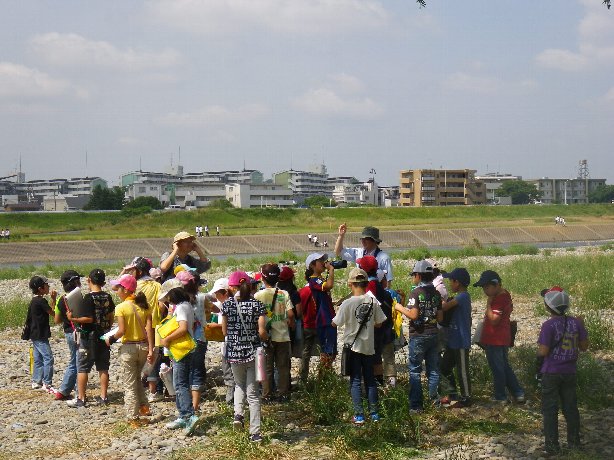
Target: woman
39 332
134 330
179 300
244 325
318 312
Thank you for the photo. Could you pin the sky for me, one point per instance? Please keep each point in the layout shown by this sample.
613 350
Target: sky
101 88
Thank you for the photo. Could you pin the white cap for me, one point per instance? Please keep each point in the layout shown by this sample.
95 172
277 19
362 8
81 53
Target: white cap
314 256
219 284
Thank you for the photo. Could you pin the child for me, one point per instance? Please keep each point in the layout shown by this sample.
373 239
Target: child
134 330
423 310
38 320
496 337
279 306
173 292
70 280
318 313
92 350
458 343
360 314
560 340
244 325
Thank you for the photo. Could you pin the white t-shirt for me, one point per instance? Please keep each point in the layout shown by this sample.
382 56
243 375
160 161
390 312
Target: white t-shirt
185 312
351 313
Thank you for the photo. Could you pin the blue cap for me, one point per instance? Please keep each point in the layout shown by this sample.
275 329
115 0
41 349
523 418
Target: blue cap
459 274
488 277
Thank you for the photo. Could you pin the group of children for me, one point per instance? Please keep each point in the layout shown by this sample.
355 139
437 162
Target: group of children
259 323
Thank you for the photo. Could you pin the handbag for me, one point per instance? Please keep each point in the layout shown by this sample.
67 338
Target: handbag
213 334
477 335
346 356
182 346
513 332
25 332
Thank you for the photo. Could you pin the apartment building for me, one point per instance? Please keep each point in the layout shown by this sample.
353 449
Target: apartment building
304 184
565 191
440 187
259 196
493 182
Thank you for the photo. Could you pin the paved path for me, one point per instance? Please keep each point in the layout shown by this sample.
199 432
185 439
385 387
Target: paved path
65 251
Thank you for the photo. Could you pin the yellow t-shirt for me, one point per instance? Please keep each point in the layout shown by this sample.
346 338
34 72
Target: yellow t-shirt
151 289
133 330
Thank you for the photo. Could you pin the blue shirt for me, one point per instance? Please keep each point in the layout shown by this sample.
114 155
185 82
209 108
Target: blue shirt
459 331
383 259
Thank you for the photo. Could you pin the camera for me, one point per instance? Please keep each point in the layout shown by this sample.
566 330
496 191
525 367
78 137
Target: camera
287 262
339 264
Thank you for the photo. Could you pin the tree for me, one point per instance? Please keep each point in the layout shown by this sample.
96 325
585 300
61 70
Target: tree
319 201
521 192
221 203
144 202
106 198
602 194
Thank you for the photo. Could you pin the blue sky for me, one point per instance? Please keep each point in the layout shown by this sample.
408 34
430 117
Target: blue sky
520 87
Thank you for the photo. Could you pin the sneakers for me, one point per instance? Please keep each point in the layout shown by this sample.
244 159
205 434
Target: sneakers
358 420
48 388
456 405
138 422
520 399
36 385
256 437
190 425
76 403
61 396
392 382
144 410
100 401
238 422
374 417
155 397
176 424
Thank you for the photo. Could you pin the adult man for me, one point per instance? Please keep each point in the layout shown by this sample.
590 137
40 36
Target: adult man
370 247
183 245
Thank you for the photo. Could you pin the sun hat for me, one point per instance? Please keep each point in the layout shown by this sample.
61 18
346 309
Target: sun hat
368 263
371 232
183 236
313 257
155 273
220 284
142 264
459 274
128 282
488 276
556 299
168 286
236 278
358 275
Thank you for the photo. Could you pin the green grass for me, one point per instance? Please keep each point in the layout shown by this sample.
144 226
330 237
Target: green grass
14 313
112 225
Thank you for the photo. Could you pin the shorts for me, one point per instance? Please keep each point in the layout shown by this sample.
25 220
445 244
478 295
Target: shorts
92 351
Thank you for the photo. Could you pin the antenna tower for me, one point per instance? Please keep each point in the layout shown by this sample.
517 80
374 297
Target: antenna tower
583 170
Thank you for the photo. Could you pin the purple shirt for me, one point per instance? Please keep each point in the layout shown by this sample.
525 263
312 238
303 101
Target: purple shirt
562 359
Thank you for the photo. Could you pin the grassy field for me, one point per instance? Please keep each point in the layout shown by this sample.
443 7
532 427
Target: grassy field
111 225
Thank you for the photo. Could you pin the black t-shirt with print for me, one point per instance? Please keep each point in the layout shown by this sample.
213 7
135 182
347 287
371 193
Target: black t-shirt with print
39 319
98 305
428 302
242 339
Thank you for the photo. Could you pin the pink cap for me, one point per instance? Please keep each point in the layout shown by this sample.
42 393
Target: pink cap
128 282
185 277
236 278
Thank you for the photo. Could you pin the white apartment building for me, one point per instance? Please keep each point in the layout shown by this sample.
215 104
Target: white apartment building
365 193
565 191
304 184
259 196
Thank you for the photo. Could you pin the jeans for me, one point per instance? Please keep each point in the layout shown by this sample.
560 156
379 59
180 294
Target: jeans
502 374
43 362
423 348
361 367
181 380
198 372
69 381
246 386
563 386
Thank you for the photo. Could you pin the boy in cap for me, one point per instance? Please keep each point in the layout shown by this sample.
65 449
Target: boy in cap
424 311
456 352
496 337
280 316
360 314
561 338
370 240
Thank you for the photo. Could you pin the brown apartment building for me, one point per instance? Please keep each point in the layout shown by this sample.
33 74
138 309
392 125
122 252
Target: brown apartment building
441 187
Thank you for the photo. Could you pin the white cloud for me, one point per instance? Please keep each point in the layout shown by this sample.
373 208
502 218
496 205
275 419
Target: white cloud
229 17
215 115
461 81
609 96
325 101
18 81
72 50
347 84
595 43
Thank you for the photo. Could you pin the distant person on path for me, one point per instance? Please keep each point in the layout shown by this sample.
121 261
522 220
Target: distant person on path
206 230
370 247
70 280
361 314
183 245
561 338
217 230
99 308
7 234
309 236
39 312
496 337
458 342
315 240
